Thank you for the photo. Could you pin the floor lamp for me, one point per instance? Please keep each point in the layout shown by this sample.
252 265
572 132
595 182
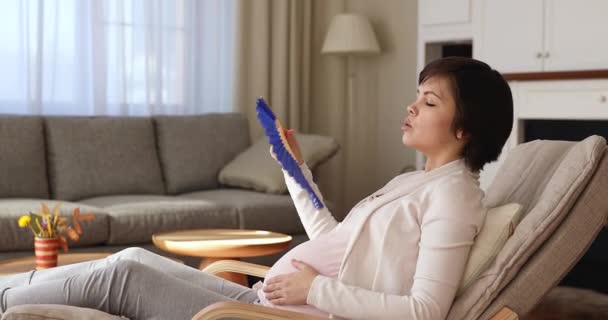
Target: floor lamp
350 35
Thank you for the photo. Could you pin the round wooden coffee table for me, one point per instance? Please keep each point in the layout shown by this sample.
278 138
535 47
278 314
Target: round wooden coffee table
18 265
220 244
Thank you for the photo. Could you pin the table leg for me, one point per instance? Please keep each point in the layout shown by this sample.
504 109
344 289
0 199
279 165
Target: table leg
230 276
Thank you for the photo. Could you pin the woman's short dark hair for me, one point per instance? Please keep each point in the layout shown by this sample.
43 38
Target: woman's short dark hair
484 106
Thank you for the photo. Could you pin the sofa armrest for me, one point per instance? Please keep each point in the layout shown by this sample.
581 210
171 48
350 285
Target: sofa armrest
236 266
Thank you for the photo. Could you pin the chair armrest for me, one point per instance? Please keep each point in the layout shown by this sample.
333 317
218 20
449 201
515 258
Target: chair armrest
241 310
505 314
236 266
253 312
249 311
55 311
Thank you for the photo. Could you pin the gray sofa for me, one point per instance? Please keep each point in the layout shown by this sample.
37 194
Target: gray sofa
139 175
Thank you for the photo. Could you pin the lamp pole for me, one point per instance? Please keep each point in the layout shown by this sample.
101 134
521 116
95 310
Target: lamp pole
350 119
349 34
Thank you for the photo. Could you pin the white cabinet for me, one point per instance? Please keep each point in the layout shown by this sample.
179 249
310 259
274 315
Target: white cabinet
435 12
508 35
440 20
576 35
541 35
564 100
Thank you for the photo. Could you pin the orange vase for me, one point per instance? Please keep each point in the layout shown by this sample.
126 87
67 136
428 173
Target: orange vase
46 250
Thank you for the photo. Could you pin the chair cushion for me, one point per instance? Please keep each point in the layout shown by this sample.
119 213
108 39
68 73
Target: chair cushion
255 169
499 225
55 312
94 156
258 211
546 178
14 238
23 165
134 219
558 254
193 149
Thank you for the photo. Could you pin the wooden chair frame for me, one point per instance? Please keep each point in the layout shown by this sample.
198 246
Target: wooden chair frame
243 310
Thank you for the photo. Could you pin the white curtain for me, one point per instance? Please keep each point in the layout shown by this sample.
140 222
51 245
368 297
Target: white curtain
116 57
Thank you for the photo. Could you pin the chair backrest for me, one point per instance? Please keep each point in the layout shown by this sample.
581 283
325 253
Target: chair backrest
560 186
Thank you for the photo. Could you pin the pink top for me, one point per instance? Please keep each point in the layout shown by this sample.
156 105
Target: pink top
323 253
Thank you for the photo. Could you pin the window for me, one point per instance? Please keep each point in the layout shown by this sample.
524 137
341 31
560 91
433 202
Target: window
116 56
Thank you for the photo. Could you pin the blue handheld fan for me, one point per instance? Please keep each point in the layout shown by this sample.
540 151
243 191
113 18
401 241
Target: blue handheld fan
276 137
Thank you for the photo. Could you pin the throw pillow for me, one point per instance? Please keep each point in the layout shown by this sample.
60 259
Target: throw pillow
498 227
255 169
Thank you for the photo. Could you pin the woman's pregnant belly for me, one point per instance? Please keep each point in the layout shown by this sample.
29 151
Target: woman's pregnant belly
323 253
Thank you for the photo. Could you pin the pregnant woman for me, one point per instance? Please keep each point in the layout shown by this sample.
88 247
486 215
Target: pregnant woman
399 254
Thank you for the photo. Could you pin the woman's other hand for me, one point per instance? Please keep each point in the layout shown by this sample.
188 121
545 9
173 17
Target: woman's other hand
290 135
291 288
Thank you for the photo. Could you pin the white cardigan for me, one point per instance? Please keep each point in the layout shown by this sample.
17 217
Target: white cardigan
410 244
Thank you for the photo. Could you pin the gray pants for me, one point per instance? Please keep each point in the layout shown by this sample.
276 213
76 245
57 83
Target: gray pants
134 283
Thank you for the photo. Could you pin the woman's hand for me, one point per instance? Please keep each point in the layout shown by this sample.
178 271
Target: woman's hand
290 135
291 288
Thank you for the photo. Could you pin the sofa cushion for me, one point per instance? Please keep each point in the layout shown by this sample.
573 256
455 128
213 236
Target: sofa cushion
255 169
546 178
23 165
14 238
93 156
258 211
193 149
134 219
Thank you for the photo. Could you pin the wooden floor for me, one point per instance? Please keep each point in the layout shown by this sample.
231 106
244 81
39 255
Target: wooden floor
571 303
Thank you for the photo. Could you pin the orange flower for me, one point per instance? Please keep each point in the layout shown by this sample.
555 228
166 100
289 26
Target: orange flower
64 243
73 234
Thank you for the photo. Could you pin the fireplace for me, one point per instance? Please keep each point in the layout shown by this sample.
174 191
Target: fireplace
570 130
590 271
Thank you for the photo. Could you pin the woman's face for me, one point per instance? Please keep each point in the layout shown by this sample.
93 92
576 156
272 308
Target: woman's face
427 126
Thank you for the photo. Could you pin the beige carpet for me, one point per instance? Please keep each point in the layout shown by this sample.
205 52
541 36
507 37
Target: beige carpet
564 303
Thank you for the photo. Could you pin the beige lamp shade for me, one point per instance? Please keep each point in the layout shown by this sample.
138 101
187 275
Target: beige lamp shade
350 34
